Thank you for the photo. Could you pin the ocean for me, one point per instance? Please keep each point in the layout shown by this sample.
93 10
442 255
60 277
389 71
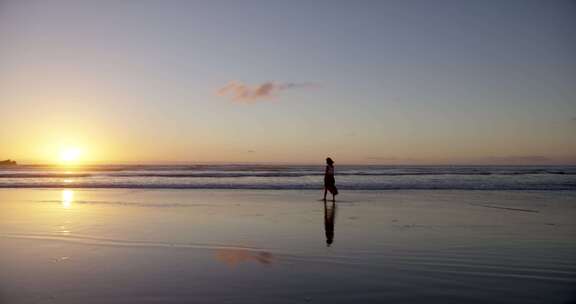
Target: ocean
291 177
262 234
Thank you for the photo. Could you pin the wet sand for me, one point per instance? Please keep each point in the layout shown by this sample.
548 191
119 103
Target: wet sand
241 246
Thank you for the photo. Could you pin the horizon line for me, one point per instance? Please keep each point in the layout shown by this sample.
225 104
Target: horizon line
184 163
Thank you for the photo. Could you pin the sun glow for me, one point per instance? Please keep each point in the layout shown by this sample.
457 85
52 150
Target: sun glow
70 155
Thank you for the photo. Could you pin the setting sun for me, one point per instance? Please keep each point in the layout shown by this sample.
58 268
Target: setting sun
70 155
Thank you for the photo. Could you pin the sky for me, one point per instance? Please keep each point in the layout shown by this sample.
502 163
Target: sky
384 82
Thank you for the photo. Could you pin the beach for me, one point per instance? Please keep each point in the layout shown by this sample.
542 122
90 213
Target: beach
73 245
287 152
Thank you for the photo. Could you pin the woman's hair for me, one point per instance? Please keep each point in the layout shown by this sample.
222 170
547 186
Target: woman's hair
329 161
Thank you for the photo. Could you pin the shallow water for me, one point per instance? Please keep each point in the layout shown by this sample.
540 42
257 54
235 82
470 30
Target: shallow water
282 177
182 246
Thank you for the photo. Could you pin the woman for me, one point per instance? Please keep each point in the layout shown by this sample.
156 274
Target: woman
329 181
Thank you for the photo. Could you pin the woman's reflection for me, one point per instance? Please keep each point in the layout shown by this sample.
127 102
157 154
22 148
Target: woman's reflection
329 219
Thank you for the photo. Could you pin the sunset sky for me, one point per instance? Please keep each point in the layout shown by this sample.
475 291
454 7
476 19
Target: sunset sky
390 82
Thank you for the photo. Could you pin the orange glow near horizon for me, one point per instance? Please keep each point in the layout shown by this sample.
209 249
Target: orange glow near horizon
70 156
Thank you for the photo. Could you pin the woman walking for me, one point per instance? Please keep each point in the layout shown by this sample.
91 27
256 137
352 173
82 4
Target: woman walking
329 181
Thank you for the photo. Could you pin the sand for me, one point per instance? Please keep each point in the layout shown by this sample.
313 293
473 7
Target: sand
241 246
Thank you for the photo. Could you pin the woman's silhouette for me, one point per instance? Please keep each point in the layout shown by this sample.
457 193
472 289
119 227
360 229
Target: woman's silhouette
329 181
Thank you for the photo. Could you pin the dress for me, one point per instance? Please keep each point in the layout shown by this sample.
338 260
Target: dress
329 181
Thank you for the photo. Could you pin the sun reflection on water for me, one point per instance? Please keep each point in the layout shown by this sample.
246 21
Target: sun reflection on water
67 198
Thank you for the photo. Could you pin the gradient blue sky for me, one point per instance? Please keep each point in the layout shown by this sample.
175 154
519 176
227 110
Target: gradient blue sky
390 81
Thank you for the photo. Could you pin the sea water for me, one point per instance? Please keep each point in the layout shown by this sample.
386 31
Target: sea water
291 177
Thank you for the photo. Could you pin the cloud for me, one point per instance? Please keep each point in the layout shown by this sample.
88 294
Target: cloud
392 160
240 92
382 158
518 159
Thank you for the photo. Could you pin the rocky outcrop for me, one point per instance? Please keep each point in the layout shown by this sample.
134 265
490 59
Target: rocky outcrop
8 162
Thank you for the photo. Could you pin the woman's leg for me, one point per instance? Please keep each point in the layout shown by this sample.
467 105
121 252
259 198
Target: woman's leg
325 191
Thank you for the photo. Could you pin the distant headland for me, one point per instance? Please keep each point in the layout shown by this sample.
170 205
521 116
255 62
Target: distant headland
8 162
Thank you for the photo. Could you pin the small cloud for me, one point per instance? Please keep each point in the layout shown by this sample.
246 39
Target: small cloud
392 160
350 134
244 93
518 159
250 151
381 158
